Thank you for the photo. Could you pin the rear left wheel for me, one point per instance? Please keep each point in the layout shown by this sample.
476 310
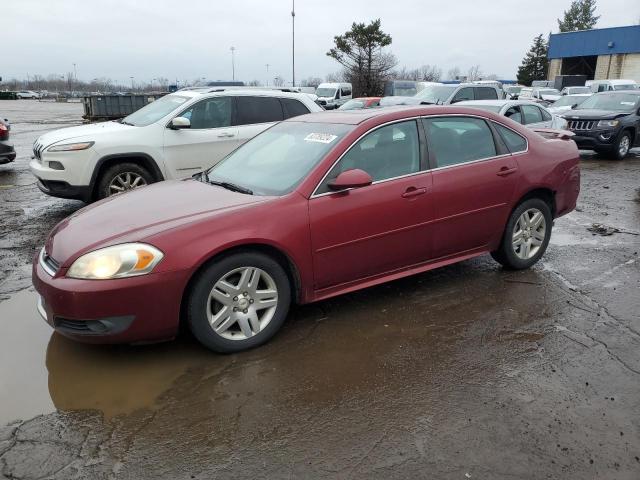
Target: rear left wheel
238 302
526 235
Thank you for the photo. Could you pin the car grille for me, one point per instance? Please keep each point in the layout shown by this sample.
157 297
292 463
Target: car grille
37 150
581 124
49 264
72 326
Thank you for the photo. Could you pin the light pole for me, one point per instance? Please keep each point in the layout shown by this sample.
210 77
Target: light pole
131 84
233 64
267 65
293 43
75 77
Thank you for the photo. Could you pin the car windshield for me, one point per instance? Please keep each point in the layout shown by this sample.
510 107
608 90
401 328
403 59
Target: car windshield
405 91
549 91
569 100
155 111
326 92
277 160
618 102
436 93
579 90
629 86
512 89
352 105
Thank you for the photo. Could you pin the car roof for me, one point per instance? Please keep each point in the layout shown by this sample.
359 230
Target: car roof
632 92
497 103
382 114
238 91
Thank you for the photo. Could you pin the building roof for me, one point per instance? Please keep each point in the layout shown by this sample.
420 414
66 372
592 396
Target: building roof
601 41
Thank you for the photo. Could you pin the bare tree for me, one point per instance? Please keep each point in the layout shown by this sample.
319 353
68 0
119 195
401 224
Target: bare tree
474 73
278 81
311 82
254 83
453 73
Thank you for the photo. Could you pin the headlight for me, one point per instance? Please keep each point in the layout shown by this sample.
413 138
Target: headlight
608 123
70 147
118 261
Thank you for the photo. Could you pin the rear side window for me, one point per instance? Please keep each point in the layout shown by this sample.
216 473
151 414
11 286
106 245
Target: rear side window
463 94
531 114
293 108
457 140
257 110
514 114
485 93
346 91
515 142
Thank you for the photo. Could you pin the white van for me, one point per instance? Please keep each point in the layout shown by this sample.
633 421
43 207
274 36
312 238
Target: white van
332 95
611 85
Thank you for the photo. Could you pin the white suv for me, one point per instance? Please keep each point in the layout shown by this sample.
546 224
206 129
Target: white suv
174 137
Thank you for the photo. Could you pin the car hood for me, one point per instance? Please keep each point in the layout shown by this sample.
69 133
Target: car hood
579 114
136 215
85 131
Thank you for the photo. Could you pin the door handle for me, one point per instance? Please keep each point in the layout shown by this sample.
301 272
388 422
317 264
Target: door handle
504 171
414 192
226 135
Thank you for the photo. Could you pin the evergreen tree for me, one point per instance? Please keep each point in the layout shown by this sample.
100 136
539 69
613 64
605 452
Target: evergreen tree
580 16
535 63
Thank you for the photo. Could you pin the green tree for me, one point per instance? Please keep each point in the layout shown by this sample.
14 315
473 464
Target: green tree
535 63
360 52
580 16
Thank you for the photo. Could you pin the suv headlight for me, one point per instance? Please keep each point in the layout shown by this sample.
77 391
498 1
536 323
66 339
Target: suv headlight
118 261
608 123
70 147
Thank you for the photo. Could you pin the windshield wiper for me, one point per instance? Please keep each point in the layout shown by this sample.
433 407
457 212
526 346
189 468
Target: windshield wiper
126 123
232 186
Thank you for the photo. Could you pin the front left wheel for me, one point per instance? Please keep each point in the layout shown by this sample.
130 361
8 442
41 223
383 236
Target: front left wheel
238 302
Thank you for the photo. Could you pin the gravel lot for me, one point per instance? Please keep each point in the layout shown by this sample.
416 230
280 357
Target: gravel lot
468 371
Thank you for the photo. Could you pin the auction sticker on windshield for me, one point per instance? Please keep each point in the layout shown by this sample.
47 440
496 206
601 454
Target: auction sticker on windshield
320 137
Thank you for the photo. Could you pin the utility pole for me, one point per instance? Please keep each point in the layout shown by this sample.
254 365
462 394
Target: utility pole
267 65
75 77
293 43
233 64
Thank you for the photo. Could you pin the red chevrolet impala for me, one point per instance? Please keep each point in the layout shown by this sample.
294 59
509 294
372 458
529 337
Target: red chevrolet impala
315 206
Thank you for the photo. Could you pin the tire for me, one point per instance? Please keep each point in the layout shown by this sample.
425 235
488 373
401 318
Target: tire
518 256
622 145
242 325
116 177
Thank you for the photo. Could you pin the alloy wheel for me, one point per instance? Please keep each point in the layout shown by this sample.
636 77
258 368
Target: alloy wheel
623 147
126 181
242 303
529 234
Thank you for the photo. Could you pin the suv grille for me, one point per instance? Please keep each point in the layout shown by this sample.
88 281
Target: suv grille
49 264
581 124
37 150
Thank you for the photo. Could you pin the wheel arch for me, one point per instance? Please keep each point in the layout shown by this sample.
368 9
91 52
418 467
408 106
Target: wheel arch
140 158
543 193
285 261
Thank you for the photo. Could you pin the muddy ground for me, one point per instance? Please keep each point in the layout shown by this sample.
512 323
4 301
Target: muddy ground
468 371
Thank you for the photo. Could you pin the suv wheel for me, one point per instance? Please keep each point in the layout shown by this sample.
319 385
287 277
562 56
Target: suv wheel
238 302
122 177
526 235
622 146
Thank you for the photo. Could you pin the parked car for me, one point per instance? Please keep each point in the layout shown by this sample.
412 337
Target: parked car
446 95
360 103
174 137
543 83
27 94
575 91
332 95
404 88
611 85
7 152
607 122
313 207
529 114
567 102
511 92
545 96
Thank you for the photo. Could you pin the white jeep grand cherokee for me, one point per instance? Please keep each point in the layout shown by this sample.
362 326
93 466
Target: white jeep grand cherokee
174 137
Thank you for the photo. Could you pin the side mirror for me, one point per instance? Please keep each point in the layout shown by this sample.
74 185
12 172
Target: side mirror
355 178
179 123
574 106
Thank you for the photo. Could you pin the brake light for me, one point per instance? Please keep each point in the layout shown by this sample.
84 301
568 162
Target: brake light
4 131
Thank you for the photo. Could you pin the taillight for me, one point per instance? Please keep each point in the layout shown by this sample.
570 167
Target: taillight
4 131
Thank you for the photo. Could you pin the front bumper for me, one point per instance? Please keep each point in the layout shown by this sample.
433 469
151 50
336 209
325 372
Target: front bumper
127 310
595 139
60 189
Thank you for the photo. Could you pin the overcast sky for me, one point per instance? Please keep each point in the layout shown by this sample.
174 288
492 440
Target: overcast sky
190 39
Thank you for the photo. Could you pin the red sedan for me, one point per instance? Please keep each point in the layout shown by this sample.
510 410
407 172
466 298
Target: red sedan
360 103
314 207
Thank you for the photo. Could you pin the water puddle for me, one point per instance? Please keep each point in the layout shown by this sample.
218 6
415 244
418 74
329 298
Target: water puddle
41 371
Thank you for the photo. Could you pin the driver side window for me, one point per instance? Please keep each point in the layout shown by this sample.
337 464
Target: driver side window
388 152
210 113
